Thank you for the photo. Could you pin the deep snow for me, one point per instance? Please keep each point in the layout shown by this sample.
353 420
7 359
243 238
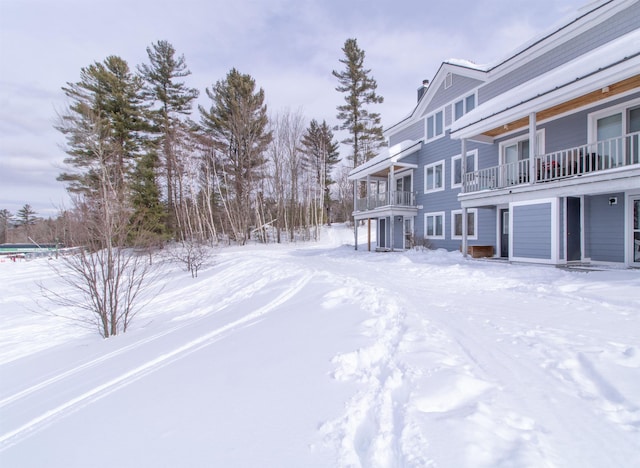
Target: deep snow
320 356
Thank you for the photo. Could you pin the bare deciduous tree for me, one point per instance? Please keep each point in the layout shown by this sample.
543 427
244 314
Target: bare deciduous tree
105 274
193 254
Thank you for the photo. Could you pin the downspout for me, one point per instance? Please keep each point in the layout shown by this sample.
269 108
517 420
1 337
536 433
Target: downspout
463 172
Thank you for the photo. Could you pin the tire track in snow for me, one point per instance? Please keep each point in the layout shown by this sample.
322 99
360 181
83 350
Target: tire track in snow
14 436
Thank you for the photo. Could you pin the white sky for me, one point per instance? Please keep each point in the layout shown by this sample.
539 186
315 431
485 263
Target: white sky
290 47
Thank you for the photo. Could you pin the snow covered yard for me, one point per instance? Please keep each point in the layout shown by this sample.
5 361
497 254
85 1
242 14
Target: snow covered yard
320 356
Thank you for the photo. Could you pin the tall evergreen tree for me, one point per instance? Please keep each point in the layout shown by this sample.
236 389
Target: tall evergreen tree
236 123
26 218
359 87
103 125
323 154
170 102
149 213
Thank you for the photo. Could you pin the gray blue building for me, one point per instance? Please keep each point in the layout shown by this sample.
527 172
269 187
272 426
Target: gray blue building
551 143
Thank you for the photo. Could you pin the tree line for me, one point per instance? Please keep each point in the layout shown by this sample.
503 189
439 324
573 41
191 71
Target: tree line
142 169
230 171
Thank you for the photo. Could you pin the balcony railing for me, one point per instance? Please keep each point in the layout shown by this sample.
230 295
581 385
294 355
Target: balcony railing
594 157
377 200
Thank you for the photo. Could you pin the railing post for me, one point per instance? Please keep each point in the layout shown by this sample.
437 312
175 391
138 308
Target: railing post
533 148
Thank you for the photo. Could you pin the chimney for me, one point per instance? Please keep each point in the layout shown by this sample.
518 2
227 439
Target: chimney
422 89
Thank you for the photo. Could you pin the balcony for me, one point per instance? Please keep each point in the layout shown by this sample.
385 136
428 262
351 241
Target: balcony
386 200
574 162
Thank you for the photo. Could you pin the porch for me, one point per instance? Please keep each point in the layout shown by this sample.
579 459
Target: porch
386 200
600 158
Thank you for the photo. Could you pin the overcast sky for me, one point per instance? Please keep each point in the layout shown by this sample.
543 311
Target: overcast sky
289 47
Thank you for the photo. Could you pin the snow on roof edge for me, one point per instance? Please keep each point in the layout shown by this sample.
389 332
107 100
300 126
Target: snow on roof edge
622 49
385 154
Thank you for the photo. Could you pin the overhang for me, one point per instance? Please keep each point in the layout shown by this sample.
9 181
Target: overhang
609 70
388 157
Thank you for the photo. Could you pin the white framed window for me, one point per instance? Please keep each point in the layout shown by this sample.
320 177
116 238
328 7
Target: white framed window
472 224
514 158
435 125
434 177
456 167
464 105
434 225
608 126
404 181
517 149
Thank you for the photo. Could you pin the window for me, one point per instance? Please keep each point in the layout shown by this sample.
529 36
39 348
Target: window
463 106
434 177
403 183
435 125
609 127
514 158
456 167
472 224
434 225
634 140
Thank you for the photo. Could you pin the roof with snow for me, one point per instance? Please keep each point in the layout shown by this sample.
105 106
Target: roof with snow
613 62
388 156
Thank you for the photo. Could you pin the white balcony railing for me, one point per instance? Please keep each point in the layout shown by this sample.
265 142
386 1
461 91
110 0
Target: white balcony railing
377 200
594 157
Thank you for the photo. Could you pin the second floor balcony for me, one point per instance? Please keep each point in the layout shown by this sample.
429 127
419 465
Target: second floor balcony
391 199
590 159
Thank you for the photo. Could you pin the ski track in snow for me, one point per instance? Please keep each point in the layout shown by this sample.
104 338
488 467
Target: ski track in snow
514 389
168 356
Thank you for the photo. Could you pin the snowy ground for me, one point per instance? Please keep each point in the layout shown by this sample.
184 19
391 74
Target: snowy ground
320 356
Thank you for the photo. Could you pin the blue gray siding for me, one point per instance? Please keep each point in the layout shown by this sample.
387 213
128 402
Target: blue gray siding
411 159
614 27
604 228
571 130
413 132
532 231
447 200
460 86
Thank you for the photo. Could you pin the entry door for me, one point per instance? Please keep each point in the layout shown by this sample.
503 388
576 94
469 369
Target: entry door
574 249
504 233
382 242
635 231
408 233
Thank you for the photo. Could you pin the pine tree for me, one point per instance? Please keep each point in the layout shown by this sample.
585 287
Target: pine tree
26 218
236 124
359 87
323 154
103 125
149 213
170 101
